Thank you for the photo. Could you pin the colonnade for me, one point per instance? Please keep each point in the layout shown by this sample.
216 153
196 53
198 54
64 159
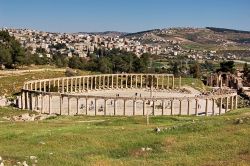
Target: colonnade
108 81
67 96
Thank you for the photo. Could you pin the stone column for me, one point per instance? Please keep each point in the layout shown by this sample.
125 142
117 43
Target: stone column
49 85
173 82
76 84
141 81
134 107
49 104
22 100
172 107
104 84
114 107
117 81
26 100
213 107
144 107
232 102
62 85
67 85
61 102
112 81
58 85
31 86
71 84
95 106
31 101
83 83
220 107
236 102
121 82
95 82
42 103
35 86
40 86
77 105
99 81
226 104
68 105
206 107
44 86
87 80
163 107
108 82
153 108
196 106
91 82
126 81
87 107
124 107
105 107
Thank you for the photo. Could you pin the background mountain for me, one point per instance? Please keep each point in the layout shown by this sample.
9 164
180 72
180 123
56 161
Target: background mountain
210 38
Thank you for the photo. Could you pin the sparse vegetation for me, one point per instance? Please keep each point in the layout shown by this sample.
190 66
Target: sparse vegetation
182 140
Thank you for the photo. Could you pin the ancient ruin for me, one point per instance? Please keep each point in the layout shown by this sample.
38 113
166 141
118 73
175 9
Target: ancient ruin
122 95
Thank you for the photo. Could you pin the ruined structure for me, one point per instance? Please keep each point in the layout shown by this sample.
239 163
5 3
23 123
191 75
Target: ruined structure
73 96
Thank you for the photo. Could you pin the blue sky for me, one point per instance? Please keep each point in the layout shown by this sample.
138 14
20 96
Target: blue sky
123 15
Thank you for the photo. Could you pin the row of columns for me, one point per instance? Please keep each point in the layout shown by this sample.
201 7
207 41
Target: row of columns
30 101
95 82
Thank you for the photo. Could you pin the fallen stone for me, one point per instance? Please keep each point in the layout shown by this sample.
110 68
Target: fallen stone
149 149
239 121
25 163
33 157
157 130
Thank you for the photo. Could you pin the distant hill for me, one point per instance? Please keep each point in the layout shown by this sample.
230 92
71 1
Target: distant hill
227 30
106 33
210 38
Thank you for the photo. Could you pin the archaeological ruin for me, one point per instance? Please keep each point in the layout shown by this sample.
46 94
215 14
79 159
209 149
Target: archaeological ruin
123 95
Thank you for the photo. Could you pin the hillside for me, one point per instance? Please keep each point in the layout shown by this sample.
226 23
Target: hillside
207 38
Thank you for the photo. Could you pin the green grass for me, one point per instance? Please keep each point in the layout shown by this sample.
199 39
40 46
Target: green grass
118 140
10 85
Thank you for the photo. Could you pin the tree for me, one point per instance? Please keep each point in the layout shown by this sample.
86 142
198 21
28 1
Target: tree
174 68
245 69
5 56
104 65
227 66
195 70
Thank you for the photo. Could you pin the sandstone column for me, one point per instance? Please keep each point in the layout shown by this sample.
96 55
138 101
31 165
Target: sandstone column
134 107
68 105
206 107
172 107
105 107
144 107
220 108
124 107
196 106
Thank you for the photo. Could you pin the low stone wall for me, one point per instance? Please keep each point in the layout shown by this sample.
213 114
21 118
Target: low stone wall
67 96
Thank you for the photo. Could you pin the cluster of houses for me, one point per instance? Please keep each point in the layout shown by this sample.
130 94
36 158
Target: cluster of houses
78 44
